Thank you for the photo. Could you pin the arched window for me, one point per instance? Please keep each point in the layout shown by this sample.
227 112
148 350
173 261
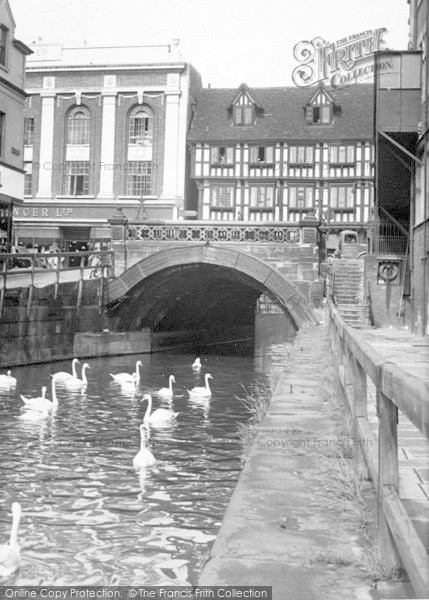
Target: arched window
140 127
79 126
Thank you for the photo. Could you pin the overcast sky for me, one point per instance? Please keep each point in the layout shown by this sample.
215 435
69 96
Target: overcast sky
228 41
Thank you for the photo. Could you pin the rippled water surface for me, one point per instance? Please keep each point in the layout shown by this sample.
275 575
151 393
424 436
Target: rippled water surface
89 517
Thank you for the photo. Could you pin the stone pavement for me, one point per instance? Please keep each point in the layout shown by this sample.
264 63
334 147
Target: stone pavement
289 523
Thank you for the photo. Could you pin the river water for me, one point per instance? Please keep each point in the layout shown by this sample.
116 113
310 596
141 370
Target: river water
90 517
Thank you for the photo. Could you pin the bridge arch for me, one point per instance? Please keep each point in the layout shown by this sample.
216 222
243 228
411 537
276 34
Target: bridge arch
266 276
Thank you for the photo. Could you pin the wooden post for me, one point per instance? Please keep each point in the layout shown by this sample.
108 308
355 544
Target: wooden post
57 273
388 475
80 284
3 289
360 410
31 287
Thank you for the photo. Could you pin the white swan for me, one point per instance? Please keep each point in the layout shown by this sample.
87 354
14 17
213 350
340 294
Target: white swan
202 391
167 392
144 457
76 382
38 402
64 375
158 416
7 380
197 364
128 377
10 553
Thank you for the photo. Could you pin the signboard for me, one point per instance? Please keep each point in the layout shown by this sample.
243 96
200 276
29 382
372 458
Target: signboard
339 64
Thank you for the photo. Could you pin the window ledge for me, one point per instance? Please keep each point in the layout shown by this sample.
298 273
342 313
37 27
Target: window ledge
223 208
300 209
294 165
74 197
342 164
261 164
221 164
343 210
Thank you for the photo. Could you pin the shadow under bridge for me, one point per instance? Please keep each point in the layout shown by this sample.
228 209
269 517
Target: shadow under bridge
203 289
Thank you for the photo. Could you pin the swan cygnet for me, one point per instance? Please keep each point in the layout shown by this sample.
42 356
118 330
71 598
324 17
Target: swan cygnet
202 391
10 552
144 457
167 392
159 416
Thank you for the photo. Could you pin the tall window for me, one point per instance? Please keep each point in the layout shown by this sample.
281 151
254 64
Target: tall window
222 196
139 176
4 31
28 131
77 178
301 155
301 197
342 196
261 197
342 154
79 126
244 115
28 181
140 127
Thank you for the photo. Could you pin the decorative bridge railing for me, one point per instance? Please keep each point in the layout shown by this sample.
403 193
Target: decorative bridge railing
204 232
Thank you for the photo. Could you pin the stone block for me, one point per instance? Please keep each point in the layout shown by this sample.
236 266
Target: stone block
112 343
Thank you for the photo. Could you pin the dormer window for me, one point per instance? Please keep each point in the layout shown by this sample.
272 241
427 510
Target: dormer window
244 107
244 115
321 108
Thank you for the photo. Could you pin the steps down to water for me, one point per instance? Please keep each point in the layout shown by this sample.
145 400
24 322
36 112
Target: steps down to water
348 290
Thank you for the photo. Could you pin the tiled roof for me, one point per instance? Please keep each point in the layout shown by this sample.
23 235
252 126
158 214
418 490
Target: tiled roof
284 115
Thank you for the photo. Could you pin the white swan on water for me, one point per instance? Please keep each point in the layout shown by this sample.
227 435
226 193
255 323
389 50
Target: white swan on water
158 416
167 392
128 377
144 457
10 553
201 391
76 382
64 376
43 404
7 380
197 364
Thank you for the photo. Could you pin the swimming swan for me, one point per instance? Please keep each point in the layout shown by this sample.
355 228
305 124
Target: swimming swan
37 403
202 391
158 416
128 377
7 380
144 457
197 364
167 392
10 553
64 375
77 382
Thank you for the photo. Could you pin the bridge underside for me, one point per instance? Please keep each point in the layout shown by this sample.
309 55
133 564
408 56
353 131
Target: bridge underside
199 288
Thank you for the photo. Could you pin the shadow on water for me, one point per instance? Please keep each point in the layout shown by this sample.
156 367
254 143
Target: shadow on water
88 515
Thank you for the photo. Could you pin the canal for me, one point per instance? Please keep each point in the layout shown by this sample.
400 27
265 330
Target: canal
90 517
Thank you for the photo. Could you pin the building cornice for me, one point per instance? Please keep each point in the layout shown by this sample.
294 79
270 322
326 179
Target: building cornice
108 67
13 87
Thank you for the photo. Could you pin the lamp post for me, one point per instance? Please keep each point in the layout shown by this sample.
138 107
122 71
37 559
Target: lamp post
118 237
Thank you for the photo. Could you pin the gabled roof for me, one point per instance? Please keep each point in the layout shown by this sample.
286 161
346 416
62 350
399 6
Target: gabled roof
7 6
284 117
321 89
244 89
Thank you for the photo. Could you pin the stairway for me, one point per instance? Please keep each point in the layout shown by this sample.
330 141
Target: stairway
348 290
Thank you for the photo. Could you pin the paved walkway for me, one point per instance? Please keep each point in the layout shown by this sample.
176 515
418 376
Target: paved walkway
289 523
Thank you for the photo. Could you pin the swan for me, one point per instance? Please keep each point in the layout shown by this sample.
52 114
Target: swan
7 380
144 457
64 375
202 391
167 392
197 364
37 403
158 416
75 381
9 553
128 377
